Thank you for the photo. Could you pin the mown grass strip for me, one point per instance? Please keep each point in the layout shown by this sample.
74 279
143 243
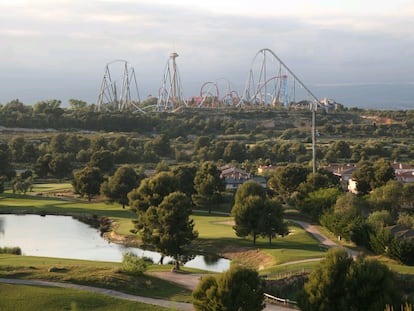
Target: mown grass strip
29 298
98 274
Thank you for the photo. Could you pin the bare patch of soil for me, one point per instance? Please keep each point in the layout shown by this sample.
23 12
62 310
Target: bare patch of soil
253 258
125 240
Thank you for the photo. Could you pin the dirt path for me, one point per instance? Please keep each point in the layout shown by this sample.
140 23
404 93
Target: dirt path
188 280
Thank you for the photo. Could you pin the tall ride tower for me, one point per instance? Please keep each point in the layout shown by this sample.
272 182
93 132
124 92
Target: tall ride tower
170 93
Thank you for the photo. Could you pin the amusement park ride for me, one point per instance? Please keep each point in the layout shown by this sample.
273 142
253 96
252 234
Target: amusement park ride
270 83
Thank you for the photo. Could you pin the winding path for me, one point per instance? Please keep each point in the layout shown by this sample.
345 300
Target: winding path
325 241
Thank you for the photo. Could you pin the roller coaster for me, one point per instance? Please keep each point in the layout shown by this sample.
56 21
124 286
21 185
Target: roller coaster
270 83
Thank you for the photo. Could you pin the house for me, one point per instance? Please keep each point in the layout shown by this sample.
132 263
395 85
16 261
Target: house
400 231
403 172
234 177
344 172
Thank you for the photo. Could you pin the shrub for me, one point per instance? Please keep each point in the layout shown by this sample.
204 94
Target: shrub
133 265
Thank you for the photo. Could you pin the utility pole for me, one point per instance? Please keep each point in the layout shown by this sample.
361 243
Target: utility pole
314 108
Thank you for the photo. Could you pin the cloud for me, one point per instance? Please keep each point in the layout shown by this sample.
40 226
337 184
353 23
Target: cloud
322 42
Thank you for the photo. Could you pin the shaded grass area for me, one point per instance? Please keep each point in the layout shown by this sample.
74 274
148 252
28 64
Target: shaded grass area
23 297
98 274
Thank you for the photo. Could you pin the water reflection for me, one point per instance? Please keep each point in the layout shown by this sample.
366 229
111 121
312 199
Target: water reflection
65 237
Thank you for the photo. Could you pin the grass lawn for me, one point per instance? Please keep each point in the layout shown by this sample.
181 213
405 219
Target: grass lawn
52 187
98 274
216 234
23 297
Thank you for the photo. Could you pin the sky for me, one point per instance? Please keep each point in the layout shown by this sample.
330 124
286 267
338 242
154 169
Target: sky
359 53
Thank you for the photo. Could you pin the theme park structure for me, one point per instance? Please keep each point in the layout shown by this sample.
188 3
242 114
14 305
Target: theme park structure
270 83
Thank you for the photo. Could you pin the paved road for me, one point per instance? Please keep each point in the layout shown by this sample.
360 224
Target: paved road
325 241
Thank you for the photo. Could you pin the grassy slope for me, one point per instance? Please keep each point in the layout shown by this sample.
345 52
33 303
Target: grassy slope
28 298
99 274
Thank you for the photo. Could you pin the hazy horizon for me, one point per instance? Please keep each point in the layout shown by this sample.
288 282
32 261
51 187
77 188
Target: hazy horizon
366 96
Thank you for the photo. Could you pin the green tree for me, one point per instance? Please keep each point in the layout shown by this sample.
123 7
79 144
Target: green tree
202 141
76 104
103 159
5 163
255 214
370 286
30 152
325 289
271 220
58 143
72 144
87 182
152 191
161 145
234 151
99 143
389 196
168 226
237 289
408 195
346 218
342 149
247 216
370 175
60 165
185 175
208 185
120 184
342 284
380 219
383 172
364 176
162 166
16 146
318 202
47 106
41 167
286 180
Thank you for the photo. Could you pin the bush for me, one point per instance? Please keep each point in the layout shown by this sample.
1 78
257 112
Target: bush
402 249
133 265
238 288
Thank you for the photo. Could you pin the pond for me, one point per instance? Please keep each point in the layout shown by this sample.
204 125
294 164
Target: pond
65 237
